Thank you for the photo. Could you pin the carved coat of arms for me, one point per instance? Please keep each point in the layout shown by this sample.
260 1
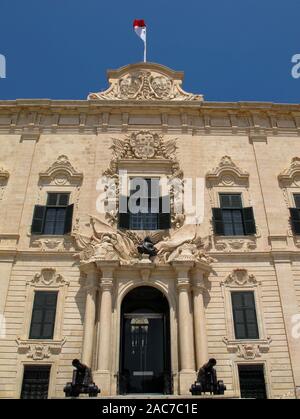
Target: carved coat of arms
144 144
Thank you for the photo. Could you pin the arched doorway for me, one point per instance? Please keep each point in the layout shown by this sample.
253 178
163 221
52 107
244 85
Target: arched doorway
145 361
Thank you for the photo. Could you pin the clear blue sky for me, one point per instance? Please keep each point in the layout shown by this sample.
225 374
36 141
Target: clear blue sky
230 50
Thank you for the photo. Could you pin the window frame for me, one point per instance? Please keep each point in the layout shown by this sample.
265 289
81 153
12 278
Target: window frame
246 324
37 284
157 215
255 287
36 292
37 366
69 207
231 209
266 370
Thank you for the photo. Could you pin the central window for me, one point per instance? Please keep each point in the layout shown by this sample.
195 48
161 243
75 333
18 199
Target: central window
144 208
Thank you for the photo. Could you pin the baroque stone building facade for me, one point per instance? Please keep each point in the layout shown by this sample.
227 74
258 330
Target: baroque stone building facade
72 283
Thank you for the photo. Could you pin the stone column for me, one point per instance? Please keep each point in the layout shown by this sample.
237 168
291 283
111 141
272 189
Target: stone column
201 345
90 314
103 374
185 327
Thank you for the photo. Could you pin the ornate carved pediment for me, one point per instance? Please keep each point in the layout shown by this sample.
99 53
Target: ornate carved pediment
290 177
61 173
227 173
145 81
240 278
49 278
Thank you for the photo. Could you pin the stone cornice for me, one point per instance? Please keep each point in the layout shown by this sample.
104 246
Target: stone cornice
60 105
254 119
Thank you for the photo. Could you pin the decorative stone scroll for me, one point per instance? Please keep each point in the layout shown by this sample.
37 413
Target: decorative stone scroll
248 350
39 351
290 177
48 277
145 81
240 278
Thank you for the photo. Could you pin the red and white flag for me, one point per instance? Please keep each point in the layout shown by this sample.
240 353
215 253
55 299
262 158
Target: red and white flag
139 27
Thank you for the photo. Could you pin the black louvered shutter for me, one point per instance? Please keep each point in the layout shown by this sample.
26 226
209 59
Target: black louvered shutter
124 217
38 219
295 220
218 221
164 218
249 221
69 219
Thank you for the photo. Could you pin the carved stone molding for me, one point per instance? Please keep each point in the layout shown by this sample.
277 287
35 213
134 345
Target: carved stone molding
49 278
235 244
240 278
61 173
150 148
290 177
145 81
248 350
227 173
4 175
39 350
48 244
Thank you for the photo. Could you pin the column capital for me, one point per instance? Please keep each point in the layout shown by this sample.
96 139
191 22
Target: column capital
183 285
106 284
182 268
198 280
88 268
107 268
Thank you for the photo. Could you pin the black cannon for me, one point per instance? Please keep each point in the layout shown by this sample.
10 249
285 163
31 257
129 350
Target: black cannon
207 380
82 381
147 247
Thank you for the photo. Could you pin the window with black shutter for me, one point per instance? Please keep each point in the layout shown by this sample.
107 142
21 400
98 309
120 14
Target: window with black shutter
295 215
43 315
252 382
154 212
231 219
55 218
244 315
35 382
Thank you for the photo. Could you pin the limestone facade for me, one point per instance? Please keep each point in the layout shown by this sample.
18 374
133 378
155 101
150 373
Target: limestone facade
65 146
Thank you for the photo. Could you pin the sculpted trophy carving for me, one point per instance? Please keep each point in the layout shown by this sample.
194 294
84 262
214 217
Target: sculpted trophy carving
82 381
207 381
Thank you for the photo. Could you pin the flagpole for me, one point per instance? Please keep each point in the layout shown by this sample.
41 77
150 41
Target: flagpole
145 48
